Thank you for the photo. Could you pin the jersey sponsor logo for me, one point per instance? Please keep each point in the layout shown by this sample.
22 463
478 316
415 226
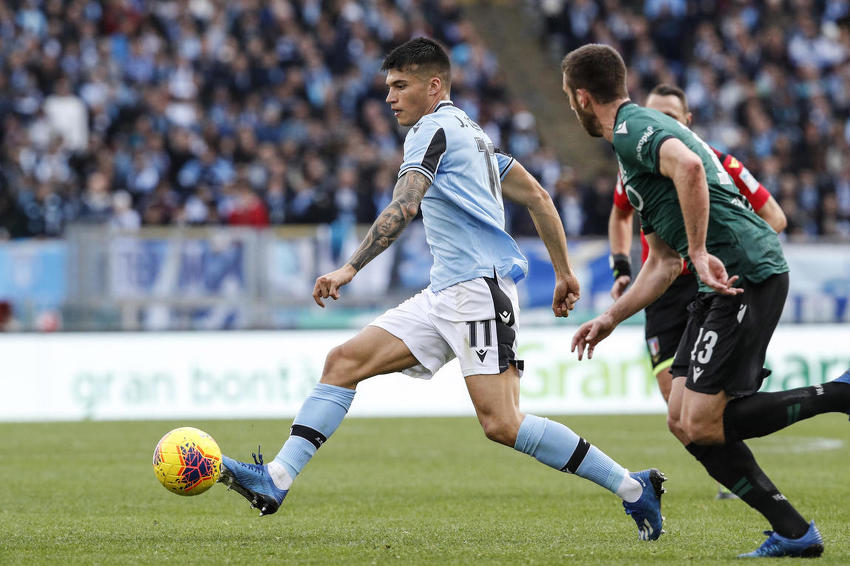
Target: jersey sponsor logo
481 354
622 129
506 317
634 198
642 141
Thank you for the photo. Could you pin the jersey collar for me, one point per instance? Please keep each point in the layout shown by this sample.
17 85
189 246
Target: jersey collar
443 104
620 107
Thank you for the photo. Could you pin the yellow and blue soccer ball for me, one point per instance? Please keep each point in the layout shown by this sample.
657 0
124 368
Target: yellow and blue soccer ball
187 461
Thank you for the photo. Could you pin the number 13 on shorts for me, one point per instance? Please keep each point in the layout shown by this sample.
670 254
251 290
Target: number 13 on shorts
704 346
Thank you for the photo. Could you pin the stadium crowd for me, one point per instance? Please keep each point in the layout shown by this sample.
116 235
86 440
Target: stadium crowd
768 81
194 112
211 112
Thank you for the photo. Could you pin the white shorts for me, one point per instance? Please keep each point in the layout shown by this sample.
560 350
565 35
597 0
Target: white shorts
474 321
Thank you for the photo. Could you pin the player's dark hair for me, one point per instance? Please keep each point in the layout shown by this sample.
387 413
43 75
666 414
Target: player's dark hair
665 89
420 55
597 68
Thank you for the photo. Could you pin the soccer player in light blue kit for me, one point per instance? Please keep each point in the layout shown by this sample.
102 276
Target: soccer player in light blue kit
469 310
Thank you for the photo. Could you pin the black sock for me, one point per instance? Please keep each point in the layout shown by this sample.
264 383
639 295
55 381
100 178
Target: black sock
734 466
763 413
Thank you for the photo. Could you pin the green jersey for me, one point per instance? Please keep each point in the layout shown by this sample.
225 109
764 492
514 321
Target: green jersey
743 241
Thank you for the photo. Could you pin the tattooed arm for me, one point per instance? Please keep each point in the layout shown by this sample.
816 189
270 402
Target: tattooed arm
408 193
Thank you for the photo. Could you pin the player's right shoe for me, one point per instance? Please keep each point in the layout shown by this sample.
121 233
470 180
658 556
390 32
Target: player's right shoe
810 545
646 511
252 481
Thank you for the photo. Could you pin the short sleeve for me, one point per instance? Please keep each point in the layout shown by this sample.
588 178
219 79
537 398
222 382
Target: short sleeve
746 183
621 200
424 147
505 162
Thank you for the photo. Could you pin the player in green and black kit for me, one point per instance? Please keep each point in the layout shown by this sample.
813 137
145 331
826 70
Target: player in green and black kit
690 209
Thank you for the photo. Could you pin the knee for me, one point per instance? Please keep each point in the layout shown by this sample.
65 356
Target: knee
340 368
702 432
674 425
500 429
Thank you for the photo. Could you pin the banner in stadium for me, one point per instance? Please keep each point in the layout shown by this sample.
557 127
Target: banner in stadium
268 374
237 278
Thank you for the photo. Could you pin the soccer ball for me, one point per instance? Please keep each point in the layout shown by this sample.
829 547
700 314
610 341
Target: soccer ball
187 461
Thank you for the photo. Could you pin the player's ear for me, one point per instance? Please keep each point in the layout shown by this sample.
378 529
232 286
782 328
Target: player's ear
435 85
688 119
582 98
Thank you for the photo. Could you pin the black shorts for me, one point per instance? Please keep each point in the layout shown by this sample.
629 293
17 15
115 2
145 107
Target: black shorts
726 340
666 320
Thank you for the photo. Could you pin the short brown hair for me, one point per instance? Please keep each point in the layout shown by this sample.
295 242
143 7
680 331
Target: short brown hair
420 55
665 89
597 68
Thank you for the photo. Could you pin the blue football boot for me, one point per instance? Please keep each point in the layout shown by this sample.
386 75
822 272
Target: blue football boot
810 545
646 511
252 481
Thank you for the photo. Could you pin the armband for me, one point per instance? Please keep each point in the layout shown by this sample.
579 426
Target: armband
620 265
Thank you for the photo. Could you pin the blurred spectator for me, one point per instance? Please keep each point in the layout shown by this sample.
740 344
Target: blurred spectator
8 322
767 81
12 221
248 209
124 217
179 104
67 116
568 201
208 112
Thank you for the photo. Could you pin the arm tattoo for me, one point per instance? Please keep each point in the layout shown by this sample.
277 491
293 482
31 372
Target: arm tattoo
408 193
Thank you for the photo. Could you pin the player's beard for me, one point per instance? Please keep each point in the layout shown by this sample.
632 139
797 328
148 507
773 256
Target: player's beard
589 122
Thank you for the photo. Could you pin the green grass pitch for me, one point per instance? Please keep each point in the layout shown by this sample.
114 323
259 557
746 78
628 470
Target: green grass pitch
397 491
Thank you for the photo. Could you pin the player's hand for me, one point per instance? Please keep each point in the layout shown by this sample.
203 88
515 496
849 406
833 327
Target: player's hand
591 333
329 285
712 272
565 296
619 286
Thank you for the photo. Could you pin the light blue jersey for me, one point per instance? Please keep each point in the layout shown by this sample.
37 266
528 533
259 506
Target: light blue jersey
462 210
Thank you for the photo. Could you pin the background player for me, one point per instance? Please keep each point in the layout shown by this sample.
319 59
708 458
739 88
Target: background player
469 311
667 316
690 208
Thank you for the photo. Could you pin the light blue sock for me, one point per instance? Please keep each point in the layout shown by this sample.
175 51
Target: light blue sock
559 447
318 418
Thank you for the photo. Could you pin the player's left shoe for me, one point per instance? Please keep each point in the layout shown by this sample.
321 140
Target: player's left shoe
646 511
252 481
810 545
843 378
